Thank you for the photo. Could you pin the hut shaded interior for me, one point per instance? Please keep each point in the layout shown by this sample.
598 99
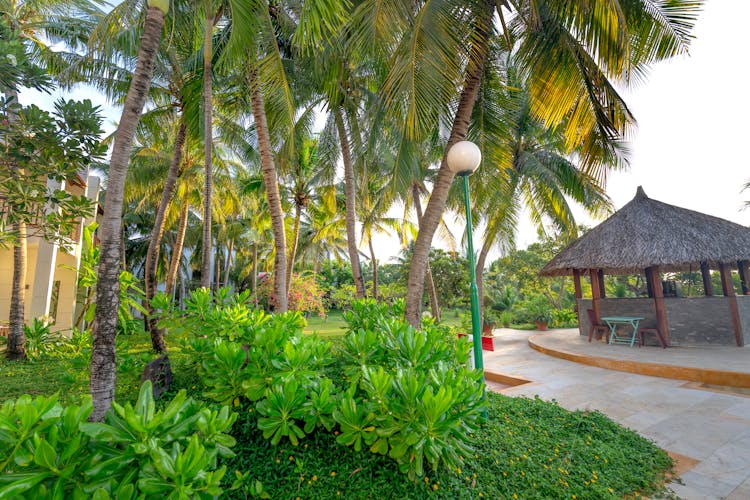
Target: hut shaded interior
649 237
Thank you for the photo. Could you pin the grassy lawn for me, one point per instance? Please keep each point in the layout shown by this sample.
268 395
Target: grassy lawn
333 324
529 449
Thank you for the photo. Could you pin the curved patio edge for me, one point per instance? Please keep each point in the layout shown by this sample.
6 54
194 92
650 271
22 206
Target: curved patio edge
691 374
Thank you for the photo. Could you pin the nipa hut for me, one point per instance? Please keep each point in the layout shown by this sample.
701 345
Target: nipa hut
650 237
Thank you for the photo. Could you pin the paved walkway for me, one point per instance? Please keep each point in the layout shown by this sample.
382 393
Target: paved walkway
709 427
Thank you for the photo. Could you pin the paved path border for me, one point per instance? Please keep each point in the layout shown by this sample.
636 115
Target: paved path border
690 373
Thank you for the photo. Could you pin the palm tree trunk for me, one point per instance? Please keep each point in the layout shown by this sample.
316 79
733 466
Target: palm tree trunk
103 354
351 205
154 244
436 205
374 270
217 267
480 274
208 149
428 281
174 264
293 249
16 336
228 263
16 349
272 193
254 277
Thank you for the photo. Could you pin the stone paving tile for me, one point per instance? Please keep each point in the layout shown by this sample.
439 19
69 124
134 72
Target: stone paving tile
711 427
742 492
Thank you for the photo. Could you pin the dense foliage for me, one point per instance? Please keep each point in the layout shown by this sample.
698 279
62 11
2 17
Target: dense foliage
398 391
51 451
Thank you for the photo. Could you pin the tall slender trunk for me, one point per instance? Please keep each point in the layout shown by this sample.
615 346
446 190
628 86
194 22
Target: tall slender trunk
174 264
254 277
293 248
16 336
103 354
16 349
428 281
154 244
217 267
272 193
228 264
351 205
436 205
208 185
374 270
481 260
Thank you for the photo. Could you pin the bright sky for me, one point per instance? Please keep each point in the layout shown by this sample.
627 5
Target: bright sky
692 114
692 117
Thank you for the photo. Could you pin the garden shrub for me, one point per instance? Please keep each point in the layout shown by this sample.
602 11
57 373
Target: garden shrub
411 394
242 352
342 297
305 294
399 391
49 451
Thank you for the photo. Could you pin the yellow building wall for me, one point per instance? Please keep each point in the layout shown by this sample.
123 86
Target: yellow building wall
6 279
66 300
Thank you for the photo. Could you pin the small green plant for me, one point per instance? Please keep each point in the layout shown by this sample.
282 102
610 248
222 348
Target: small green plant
51 451
539 310
39 339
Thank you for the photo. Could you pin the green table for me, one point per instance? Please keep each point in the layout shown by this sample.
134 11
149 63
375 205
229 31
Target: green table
613 321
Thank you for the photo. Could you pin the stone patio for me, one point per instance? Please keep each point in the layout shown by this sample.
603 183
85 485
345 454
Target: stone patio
709 427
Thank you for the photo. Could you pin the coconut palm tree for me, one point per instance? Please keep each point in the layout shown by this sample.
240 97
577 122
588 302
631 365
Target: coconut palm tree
570 50
103 356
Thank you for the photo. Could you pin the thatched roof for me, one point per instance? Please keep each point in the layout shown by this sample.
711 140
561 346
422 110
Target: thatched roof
646 233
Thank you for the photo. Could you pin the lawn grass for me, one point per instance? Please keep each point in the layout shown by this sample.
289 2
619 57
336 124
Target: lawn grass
528 449
69 376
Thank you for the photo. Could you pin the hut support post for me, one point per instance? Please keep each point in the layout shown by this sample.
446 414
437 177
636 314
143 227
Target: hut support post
602 292
595 293
728 289
742 267
654 281
708 287
578 289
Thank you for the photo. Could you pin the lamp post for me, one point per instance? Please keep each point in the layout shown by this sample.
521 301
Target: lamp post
463 160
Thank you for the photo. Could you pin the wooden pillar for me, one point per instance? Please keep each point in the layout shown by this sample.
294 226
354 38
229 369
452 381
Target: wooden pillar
742 268
728 288
577 283
706 274
595 293
578 290
654 280
601 283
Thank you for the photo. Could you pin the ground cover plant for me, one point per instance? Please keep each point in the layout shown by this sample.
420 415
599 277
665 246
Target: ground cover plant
354 418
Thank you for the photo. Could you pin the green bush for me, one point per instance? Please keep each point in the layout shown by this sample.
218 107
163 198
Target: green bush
411 395
244 353
342 297
51 451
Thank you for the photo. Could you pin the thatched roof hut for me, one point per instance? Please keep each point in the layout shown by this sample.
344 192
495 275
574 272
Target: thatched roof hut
651 237
646 233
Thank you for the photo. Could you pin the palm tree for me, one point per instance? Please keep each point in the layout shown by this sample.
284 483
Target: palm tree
531 168
374 202
103 355
570 50
258 30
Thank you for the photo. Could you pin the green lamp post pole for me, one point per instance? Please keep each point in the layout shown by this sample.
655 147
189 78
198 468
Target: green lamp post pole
463 159
476 328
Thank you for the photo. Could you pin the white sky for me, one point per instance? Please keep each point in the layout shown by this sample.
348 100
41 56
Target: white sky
692 115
